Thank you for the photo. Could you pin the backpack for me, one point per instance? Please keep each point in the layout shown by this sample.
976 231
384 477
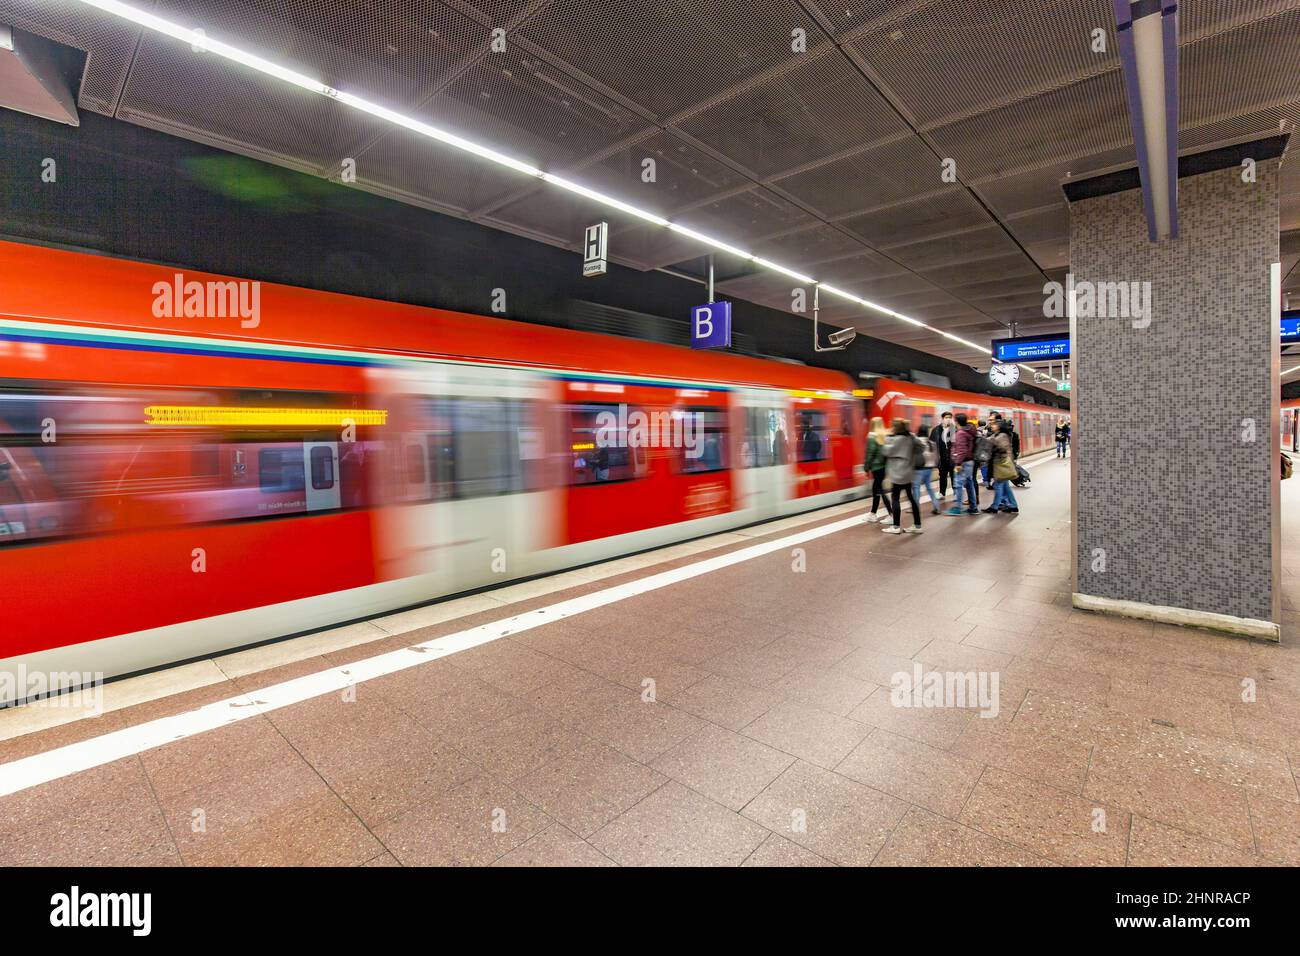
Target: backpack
983 449
920 448
1286 466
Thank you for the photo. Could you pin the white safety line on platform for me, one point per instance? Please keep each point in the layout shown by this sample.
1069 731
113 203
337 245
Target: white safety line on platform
36 769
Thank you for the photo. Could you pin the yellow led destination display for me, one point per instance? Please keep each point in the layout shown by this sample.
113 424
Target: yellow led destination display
814 393
220 416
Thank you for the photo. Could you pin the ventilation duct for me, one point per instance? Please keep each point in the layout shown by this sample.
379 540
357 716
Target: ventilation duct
35 77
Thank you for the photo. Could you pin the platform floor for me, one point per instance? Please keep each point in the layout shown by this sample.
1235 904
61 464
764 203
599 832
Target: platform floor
771 738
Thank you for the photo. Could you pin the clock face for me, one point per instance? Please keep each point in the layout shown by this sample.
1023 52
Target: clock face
1004 375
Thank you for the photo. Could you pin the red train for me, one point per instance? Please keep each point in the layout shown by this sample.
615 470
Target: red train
190 463
922 405
1290 411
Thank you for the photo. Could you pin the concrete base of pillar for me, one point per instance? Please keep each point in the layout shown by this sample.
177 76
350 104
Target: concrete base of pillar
1245 626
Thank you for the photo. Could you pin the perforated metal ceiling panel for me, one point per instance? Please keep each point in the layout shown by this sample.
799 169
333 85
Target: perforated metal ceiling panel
671 56
950 60
110 44
399 165
815 244
863 267
949 208
680 176
819 108
514 102
289 125
886 173
828 161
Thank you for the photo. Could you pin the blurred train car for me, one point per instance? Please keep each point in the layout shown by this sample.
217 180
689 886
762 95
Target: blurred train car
1290 412
922 405
191 463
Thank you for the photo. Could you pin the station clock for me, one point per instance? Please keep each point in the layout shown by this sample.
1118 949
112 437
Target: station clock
1004 375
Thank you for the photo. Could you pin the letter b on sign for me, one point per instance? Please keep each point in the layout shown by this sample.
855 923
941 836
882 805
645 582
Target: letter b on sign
704 323
711 326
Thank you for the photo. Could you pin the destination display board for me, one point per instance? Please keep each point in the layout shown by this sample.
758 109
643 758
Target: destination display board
1031 348
1291 327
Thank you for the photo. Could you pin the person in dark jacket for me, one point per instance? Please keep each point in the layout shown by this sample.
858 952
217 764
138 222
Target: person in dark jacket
1062 437
963 464
988 430
941 438
875 465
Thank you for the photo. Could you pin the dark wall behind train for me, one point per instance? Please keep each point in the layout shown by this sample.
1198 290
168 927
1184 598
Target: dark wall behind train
128 191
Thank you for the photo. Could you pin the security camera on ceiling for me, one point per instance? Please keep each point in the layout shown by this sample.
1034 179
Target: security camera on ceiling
843 337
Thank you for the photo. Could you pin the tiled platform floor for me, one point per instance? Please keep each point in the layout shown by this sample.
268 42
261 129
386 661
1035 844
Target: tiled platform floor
771 739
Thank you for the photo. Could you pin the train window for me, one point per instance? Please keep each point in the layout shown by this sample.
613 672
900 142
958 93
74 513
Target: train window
598 445
704 444
778 436
756 449
322 467
442 463
280 469
813 442
487 447
415 468
9 494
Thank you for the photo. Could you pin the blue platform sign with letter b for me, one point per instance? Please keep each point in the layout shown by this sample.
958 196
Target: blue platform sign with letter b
711 326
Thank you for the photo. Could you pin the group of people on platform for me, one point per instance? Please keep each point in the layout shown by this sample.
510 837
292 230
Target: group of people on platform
969 452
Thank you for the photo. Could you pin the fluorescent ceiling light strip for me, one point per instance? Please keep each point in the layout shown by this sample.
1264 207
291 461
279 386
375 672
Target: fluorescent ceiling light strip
433 132
198 39
708 240
582 190
841 293
776 267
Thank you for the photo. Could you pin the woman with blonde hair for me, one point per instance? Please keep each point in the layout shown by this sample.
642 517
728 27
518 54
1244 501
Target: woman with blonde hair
876 436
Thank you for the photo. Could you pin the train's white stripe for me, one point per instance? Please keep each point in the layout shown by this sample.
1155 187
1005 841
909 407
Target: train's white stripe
53 764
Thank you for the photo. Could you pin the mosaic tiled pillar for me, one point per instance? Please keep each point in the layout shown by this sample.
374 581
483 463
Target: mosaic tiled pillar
1175 412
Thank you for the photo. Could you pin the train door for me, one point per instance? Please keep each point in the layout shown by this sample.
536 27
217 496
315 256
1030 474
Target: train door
500 512
409 531
321 481
472 502
762 465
